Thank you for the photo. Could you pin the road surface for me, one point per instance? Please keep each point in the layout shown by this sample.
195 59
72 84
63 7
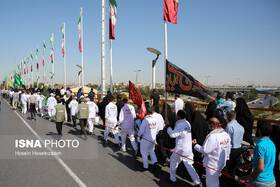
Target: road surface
111 167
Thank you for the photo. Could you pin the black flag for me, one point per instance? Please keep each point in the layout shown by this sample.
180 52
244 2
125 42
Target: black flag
179 81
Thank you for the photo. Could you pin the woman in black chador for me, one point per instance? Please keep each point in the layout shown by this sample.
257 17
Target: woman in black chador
245 118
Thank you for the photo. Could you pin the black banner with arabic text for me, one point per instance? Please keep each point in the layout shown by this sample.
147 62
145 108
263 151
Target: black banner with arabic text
180 82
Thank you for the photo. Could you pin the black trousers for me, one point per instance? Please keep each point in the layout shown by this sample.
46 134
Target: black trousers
59 127
162 152
74 119
230 169
83 123
33 110
231 163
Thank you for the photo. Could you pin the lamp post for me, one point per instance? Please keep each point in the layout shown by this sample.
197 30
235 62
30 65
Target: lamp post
79 75
137 70
207 80
52 74
237 78
152 50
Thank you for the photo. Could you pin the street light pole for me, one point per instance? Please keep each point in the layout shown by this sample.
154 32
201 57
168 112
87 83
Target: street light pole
152 50
136 70
79 75
207 80
236 84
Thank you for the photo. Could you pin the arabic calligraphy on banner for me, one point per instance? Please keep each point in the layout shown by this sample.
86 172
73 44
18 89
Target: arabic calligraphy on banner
181 82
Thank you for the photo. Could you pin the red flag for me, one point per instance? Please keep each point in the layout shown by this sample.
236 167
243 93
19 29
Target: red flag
43 60
24 71
52 55
137 99
37 65
31 68
170 9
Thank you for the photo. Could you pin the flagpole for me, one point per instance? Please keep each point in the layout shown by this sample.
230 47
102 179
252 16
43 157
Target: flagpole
64 58
28 77
52 64
111 66
37 76
103 61
44 74
165 58
32 72
82 43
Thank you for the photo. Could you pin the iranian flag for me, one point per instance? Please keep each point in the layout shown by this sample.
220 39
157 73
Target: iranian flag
51 40
31 56
44 49
63 37
170 9
80 30
113 18
37 58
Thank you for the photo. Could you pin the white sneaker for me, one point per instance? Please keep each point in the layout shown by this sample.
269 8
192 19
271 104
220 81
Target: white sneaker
123 149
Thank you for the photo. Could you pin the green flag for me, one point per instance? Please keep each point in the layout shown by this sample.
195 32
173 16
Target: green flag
31 56
51 40
44 47
37 53
19 80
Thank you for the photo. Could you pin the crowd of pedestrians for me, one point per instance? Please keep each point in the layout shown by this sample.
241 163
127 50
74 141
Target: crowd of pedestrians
214 139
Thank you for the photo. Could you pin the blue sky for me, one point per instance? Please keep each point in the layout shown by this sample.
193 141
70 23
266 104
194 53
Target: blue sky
225 39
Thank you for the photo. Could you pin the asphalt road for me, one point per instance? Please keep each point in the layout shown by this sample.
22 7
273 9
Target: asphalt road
111 167
264 102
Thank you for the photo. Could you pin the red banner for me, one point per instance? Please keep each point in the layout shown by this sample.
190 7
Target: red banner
137 99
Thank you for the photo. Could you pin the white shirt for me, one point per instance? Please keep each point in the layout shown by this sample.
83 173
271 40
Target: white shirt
23 99
74 107
149 128
182 133
51 103
93 109
41 97
62 91
216 149
38 100
11 93
179 105
127 116
160 120
111 113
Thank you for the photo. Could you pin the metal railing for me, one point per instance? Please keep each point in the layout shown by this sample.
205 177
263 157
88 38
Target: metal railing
201 107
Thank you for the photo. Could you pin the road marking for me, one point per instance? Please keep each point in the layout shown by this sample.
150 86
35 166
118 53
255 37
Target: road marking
58 159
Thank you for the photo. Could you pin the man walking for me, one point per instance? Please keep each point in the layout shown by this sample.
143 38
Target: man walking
182 133
216 150
32 105
111 113
15 99
83 116
51 102
59 117
74 108
126 120
23 100
93 109
148 130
